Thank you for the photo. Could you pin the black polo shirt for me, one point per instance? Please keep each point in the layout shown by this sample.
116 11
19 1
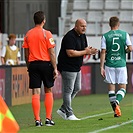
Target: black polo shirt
71 41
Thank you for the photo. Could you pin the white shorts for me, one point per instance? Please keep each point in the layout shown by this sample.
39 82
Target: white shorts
116 75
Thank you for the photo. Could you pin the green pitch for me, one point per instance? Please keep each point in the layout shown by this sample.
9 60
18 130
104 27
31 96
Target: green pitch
94 110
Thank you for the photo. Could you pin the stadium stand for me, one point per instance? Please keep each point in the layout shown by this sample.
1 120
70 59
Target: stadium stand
127 27
80 5
126 4
97 14
112 4
93 16
96 4
92 27
78 14
126 16
105 28
107 14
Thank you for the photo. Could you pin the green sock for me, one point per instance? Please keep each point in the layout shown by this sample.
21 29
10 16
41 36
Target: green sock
120 95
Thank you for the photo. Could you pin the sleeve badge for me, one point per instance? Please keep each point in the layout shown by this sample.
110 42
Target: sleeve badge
52 41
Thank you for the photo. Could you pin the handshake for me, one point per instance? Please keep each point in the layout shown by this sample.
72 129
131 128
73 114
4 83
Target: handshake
91 50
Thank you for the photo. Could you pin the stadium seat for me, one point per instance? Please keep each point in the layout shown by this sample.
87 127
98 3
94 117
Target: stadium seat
111 4
97 12
66 29
69 8
96 4
72 25
80 5
126 16
93 29
128 27
108 14
78 14
105 27
94 16
126 4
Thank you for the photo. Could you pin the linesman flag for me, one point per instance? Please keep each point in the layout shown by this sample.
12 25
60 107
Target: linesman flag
8 123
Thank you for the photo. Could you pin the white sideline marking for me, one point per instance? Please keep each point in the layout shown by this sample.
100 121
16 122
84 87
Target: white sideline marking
96 115
111 127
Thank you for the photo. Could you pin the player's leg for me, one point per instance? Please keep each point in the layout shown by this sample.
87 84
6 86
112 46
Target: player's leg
112 98
48 103
77 85
111 79
36 106
35 85
119 96
61 111
122 81
112 95
48 81
120 93
68 80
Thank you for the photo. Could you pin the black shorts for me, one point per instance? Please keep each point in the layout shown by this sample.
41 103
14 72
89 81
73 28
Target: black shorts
40 71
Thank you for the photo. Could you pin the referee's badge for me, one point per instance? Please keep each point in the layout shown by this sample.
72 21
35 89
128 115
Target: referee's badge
52 41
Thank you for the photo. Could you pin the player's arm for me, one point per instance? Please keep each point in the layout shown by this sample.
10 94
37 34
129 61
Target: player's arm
102 60
3 53
76 53
102 56
26 51
18 60
86 51
53 61
129 44
2 60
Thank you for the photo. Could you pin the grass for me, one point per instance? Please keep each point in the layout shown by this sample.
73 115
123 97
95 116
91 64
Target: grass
83 106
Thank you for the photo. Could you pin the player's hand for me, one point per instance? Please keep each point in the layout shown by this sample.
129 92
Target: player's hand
55 73
88 50
94 51
103 72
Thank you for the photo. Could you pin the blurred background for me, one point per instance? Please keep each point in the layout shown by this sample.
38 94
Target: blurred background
16 16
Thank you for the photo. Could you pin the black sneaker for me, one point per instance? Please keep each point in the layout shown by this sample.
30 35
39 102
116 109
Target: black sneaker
49 122
38 123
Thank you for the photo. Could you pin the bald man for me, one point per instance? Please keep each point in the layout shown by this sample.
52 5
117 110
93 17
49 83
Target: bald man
74 46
